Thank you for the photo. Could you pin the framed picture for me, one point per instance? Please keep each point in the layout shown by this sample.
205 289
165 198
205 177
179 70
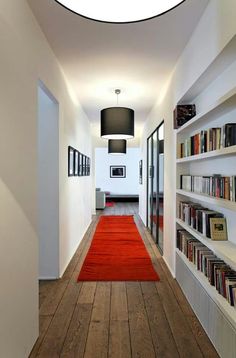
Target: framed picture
89 166
70 161
83 165
117 171
80 164
218 229
76 162
140 172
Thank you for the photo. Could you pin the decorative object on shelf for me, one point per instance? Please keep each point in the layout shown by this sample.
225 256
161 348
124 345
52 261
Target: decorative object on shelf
183 113
119 12
117 171
141 172
70 161
117 122
117 146
218 229
229 134
78 163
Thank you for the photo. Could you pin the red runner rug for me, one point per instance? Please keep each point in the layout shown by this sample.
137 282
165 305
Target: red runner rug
117 253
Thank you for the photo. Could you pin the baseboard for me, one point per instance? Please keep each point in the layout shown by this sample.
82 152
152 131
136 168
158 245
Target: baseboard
169 268
48 278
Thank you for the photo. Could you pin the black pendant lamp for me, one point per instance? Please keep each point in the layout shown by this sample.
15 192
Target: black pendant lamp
117 146
117 122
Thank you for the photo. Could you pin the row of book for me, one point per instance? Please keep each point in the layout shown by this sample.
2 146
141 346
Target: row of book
208 140
223 187
218 273
209 223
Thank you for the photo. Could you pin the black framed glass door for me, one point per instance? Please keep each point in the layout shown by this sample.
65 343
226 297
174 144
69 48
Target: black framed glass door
155 184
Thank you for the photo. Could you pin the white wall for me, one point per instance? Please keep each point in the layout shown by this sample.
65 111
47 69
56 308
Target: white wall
215 29
103 161
25 58
48 185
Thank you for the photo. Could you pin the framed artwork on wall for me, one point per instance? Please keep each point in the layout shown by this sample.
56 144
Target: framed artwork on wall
76 162
70 161
141 172
84 164
80 164
117 171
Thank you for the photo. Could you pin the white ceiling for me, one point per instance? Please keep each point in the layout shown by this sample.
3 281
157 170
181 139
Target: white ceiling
98 57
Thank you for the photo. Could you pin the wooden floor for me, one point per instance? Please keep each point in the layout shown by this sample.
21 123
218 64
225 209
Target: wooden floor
118 319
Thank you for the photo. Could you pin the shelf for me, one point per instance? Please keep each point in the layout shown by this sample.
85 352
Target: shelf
220 301
227 204
224 249
218 66
212 154
221 106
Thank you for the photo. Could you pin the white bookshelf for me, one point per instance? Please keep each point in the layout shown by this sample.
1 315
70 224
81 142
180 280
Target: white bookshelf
222 203
220 301
214 312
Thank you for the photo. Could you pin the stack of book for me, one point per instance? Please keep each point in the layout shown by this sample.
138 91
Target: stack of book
208 222
216 185
218 273
208 140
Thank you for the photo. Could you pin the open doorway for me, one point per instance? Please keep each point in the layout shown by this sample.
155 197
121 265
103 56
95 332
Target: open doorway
48 184
117 180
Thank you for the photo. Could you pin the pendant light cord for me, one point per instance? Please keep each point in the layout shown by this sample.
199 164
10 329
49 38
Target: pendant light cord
117 92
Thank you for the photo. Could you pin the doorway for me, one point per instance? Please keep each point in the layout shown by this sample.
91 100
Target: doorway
48 184
155 185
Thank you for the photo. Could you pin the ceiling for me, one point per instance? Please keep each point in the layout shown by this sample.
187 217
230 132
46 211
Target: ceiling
98 57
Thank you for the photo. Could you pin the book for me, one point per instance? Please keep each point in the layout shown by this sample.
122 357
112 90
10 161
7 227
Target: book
218 229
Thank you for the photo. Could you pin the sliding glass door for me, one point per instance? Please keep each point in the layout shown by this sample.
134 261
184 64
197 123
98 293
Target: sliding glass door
155 184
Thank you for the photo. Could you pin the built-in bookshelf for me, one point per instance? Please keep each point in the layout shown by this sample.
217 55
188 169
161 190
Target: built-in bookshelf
199 292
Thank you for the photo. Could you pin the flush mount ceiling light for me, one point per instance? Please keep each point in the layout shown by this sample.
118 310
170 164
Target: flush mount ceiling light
117 146
117 122
122 11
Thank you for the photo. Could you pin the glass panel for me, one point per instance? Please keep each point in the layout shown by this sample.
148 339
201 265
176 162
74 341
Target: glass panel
154 200
161 186
149 196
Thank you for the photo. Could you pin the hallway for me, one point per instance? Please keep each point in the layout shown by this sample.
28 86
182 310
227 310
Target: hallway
118 319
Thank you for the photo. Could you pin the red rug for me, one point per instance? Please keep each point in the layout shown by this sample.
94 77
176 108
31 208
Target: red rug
110 204
117 253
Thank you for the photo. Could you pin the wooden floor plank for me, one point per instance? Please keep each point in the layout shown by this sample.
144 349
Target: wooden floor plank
119 310
56 334
119 340
140 335
98 334
75 341
163 339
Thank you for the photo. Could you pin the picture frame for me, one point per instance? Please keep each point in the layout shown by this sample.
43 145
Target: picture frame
70 161
80 164
89 169
83 165
141 172
76 162
218 229
117 171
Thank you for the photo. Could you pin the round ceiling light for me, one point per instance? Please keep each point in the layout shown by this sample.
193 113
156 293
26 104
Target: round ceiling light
122 11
